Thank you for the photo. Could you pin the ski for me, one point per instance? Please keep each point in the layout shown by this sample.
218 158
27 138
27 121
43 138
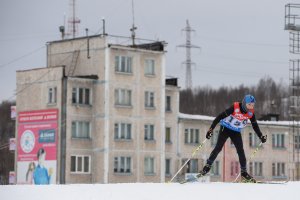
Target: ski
264 182
195 179
272 182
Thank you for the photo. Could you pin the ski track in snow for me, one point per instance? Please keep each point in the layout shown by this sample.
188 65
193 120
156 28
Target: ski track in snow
152 191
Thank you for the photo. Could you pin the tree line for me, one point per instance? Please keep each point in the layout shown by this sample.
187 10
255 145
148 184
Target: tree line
7 130
271 98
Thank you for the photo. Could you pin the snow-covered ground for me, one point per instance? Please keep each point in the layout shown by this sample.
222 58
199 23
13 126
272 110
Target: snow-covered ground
153 191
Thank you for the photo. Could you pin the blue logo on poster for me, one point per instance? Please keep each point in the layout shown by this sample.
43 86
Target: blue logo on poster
47 136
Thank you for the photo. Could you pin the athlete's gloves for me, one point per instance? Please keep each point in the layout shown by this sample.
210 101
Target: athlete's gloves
263 138
209 133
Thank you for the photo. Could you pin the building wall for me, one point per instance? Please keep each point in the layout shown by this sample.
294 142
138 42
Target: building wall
136 114
32 94
63 53
171 119
85 113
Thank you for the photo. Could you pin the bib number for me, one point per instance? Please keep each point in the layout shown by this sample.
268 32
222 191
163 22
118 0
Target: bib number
236 123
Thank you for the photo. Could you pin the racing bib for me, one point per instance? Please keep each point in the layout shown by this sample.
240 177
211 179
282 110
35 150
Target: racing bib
237 120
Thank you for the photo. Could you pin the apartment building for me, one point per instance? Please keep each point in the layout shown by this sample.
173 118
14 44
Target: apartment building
102 112
273 160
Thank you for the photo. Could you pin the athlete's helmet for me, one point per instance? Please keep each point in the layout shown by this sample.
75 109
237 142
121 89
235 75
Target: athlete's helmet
249 99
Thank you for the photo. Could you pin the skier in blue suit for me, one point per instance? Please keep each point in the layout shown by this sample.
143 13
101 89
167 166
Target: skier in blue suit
232 121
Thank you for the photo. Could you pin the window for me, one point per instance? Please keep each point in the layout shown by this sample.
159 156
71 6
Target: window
122 164
123 64
254 141
168 166
168 103
123 97
297 142
192 166
214 138
168 135
80 164
215 168
149 99
234 168
278 169
191 136
81 96
80 129
123 131
149 165
278 141
256 168
52 95
149 132
149 67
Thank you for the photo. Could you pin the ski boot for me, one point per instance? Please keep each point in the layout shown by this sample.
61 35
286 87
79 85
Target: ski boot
204 171
247 178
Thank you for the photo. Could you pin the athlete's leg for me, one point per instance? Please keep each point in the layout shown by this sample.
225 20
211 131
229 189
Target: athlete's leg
223 135
238 143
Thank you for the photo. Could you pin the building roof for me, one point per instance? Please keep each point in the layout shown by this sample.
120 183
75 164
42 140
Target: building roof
209 118
145 44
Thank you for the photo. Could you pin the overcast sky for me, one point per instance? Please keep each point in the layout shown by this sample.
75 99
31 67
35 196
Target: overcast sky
241 40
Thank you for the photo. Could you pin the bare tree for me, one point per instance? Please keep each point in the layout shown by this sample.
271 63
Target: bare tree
208 101
7 130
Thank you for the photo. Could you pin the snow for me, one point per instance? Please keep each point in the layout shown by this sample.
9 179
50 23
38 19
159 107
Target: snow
209 118
152 191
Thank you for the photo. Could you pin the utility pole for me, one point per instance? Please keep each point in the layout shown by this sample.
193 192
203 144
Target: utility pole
188 62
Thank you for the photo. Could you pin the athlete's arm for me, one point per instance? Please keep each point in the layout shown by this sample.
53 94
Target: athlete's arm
255 126
221 116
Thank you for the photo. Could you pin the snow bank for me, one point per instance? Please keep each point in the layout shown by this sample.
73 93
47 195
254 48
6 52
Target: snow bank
153 191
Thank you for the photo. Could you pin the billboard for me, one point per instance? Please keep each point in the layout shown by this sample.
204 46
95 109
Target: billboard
12 144
37 147
11 177
13 112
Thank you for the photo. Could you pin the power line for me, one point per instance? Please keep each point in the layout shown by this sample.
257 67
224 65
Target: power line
246 43
2 145
19 58
43 75
24 37
218 71
245 59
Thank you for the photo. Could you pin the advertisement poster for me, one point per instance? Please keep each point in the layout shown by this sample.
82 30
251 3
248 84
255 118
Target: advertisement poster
11 177
37 143
12 144
13 113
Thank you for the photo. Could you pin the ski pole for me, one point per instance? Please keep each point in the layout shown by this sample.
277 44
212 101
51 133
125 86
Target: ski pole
251 157
193 154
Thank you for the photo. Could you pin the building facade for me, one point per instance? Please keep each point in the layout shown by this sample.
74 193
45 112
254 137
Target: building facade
117 120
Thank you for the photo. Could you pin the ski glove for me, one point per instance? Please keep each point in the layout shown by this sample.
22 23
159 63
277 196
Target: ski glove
263 138
209 133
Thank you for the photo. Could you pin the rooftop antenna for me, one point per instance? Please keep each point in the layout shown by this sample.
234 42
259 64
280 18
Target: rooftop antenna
188 62
73 20
62 28
133 26
103 27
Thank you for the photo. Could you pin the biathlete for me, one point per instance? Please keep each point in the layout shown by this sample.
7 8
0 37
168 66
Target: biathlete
232 121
